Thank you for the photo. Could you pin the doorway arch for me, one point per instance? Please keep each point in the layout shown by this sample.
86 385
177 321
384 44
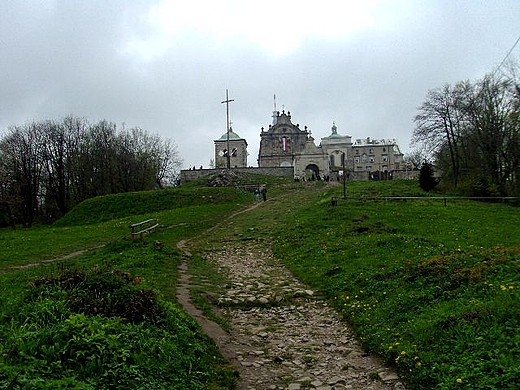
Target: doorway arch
312 172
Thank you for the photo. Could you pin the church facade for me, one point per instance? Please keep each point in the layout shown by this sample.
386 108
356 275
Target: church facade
286 148
284 144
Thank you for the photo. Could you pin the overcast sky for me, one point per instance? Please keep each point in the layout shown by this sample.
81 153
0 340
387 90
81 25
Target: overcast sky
165 65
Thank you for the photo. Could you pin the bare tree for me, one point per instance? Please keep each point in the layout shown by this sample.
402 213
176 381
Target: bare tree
55 152
22 152
438 125
473 130
52 165
415 159
494 130
98 158
169 163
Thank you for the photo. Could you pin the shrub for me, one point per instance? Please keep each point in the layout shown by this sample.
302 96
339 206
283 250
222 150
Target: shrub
99 328
426 179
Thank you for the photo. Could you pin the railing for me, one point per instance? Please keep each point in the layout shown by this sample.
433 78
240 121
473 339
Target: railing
501 199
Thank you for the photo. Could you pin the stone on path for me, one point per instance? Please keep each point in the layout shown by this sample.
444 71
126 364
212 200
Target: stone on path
285 337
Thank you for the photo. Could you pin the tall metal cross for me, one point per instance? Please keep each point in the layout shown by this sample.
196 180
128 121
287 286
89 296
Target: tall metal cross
227 101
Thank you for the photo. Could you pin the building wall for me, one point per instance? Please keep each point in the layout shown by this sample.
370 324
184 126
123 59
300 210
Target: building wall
237 159
188 175
310 162
376 155
284 145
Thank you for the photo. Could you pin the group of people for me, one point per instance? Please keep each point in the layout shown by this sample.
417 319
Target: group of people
261 191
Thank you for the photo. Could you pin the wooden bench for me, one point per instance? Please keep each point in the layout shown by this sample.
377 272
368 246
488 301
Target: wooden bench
143 227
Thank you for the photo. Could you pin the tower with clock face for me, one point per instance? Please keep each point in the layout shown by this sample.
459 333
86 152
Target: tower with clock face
231 146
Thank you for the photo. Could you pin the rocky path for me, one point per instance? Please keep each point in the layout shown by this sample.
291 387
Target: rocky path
282 335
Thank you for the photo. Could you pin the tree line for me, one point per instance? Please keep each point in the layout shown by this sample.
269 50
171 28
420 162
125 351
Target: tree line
471 131
47 167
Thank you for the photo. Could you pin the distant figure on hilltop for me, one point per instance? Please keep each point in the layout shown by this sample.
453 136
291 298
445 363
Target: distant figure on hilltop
264 193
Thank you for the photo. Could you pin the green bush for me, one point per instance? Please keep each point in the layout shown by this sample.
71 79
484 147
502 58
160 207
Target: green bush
100 329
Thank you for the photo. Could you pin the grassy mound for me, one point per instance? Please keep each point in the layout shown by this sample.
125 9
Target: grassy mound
110 207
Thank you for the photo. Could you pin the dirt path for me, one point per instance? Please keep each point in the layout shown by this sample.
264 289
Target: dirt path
65 257
282 335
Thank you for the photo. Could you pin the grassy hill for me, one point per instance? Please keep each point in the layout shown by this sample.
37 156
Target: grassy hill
434 289
107 318
107 208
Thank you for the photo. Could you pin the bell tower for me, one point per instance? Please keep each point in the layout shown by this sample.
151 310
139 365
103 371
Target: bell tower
230 147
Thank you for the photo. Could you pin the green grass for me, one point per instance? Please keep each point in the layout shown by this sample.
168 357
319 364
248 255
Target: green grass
87 336
90 325
98 221
434 290
108 208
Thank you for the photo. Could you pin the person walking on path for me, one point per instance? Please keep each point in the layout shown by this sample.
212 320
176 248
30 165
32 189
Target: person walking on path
264 193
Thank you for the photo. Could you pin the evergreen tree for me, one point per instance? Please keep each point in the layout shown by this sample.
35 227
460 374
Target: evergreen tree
426 179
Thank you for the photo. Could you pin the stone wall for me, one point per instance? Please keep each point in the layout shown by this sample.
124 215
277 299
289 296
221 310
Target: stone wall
194 174
395 174
406 174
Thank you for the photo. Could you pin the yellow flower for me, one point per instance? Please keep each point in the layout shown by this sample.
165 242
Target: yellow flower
459 380
502 287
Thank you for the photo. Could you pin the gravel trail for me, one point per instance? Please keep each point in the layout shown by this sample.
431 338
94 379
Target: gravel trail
283 336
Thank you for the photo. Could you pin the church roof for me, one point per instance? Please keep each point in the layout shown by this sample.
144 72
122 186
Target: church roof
335 134
232 136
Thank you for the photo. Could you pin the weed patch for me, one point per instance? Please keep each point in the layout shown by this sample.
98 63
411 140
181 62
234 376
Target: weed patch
99 328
